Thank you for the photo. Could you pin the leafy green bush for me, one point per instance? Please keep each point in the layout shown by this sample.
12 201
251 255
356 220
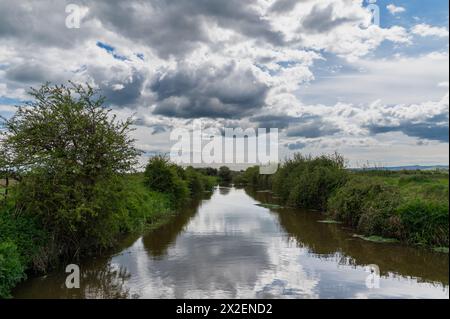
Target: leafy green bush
209 182
225 175
141 207
364 203
194 180
198 182
164 177
69 152
425 222
305 181
25 232
11 268
81 219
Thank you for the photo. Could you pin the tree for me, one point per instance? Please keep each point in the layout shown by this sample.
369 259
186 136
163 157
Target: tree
162 176
69 149
225 174
67 130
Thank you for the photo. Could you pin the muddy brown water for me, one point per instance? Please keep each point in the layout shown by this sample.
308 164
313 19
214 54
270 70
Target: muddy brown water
226 246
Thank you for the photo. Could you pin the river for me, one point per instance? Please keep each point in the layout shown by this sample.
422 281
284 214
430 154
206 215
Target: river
226 246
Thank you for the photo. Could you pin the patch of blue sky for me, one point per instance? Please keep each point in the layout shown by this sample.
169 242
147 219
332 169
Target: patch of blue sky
419 46
432 12
9 101
6 114
111 50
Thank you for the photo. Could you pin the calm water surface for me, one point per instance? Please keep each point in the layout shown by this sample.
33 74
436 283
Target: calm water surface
228 247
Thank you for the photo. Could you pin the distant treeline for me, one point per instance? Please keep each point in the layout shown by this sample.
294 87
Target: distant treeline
411 206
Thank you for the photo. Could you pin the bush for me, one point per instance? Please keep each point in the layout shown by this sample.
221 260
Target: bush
225 175
26 233
307 182
209 182
425 222
69 152
364 203
141 207
164 177
80 219
11 268
195 181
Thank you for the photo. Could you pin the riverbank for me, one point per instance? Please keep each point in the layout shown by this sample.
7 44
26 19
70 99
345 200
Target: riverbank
24 242
408 206
227 246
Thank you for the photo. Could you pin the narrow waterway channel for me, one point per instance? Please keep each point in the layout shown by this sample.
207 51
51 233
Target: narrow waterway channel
227 246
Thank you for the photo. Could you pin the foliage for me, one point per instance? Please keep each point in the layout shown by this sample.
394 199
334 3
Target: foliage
11 268
425 222
69 151
67 132
306 181
142 207
225 175
198 182
411 206
362 203
25 232
181 184
164 177
396 207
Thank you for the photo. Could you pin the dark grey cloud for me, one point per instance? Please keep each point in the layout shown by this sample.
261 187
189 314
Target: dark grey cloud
428 131
434 128
307 126
169 27
312 126
27 73
282 6
296 146
129 93
156 128
179 26
274 121
228 92
322 19
42 24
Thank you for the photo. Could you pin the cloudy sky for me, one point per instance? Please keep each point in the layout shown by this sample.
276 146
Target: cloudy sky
318 70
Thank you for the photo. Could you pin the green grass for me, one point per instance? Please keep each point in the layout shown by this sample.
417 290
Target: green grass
408 206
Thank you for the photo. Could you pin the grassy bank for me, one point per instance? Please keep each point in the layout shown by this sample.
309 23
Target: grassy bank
26 245
410 206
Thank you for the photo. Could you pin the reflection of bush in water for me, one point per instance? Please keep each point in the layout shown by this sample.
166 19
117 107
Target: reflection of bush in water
106 283
224 190
157 241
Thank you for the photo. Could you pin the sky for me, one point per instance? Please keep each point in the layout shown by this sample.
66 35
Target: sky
318 70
